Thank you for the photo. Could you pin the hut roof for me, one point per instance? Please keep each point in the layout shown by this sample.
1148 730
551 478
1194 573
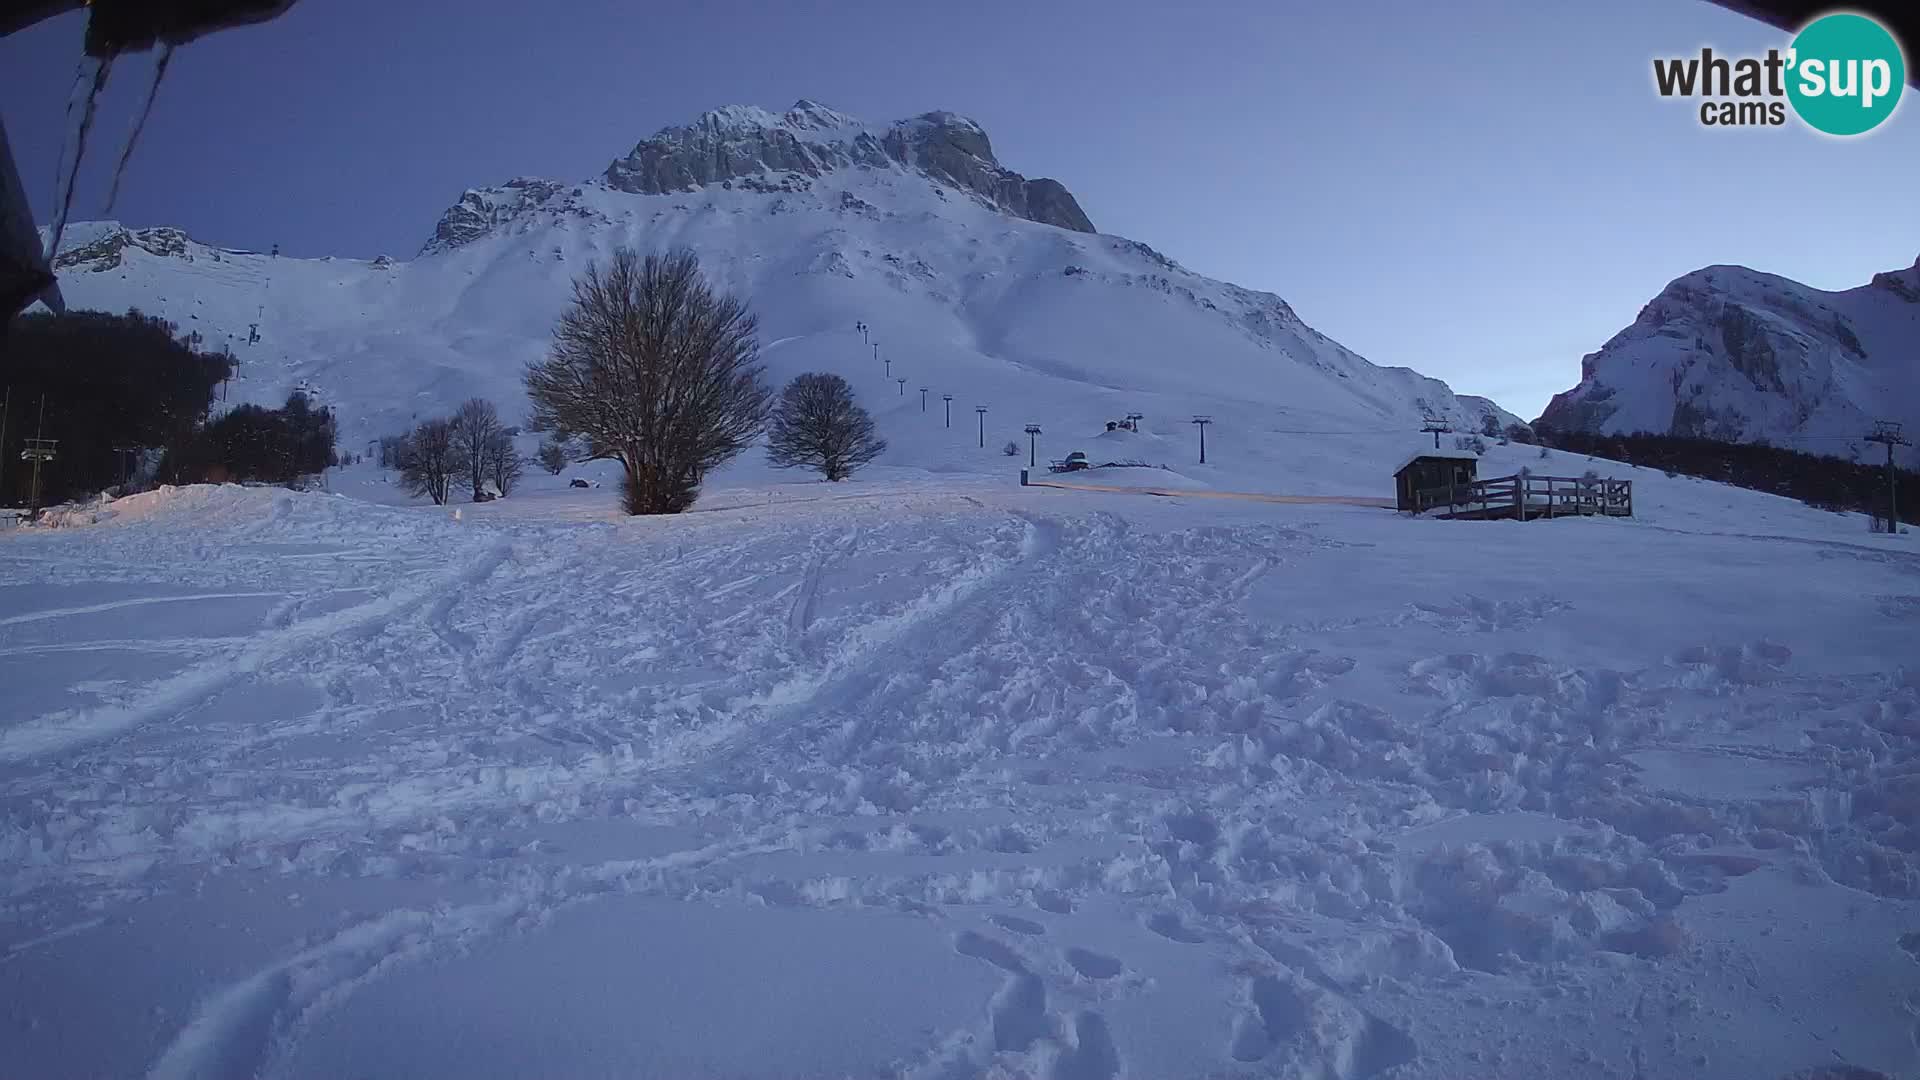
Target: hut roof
1429 452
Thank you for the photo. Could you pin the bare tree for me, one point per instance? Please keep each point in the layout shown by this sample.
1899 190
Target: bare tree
475 427
552 456
427 461
505 466
817 425
653 368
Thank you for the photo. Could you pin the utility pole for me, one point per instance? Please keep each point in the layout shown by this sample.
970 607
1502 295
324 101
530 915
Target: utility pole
1033 431
1888 432
38 450
923 399
6 407
1437 427
1201 422
982 410
948 398
902 380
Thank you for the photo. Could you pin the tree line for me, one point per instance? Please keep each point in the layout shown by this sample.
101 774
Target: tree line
471 448
1827 483
127 400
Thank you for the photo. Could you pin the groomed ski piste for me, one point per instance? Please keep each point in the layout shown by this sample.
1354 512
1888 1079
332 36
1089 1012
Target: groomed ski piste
933 776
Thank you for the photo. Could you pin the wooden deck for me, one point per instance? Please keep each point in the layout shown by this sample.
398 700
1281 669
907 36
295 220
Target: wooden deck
1528 498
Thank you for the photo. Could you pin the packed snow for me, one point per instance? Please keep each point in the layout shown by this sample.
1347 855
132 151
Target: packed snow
936 776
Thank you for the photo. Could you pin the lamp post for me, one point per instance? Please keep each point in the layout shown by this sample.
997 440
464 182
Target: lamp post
1033 432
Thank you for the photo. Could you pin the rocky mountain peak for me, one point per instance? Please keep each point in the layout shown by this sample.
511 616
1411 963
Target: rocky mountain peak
751 146
1902 283
100 246
1732 353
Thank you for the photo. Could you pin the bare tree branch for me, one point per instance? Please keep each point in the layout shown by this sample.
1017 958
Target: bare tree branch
427 461
818 425
653 368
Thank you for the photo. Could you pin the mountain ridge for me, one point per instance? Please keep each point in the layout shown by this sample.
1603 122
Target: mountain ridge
966 296
758 150
1740 355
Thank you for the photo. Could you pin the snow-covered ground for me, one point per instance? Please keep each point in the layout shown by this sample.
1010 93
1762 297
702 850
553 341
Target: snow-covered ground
939 778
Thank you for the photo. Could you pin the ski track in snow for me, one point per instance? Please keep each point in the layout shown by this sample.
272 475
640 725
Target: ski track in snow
1184 805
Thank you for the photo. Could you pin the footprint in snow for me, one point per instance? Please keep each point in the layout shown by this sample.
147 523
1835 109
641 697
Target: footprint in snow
982 947
1093 965
1092 1056
1019 1014
1169 926
1017 925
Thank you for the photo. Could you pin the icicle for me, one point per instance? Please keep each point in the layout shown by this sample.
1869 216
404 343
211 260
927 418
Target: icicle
126 152
79 152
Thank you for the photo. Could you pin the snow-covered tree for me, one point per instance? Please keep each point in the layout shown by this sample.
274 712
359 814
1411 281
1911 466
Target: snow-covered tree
818 425
552 456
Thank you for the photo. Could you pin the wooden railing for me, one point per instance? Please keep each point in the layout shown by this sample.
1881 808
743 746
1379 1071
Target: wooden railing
1526 496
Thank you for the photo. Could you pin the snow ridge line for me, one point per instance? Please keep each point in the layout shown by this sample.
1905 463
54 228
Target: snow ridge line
170 696
114 605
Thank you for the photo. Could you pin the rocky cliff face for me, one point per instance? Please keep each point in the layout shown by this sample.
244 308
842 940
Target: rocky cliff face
105 251
1734 354
480 210
751 147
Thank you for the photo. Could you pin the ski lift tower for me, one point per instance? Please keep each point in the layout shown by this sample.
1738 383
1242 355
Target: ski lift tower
1890 434
37 450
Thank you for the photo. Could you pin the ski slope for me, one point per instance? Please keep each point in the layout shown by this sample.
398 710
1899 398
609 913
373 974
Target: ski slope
1038 323
935 776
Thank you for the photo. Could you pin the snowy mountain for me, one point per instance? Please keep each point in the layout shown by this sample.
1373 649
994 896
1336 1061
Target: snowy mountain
1731 353
974 280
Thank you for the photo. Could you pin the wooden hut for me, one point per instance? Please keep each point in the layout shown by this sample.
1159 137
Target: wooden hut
1428 470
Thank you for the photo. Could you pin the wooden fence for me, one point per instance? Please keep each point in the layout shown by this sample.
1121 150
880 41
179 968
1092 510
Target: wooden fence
1526 497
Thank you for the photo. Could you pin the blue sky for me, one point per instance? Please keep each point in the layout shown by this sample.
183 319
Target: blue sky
1484 193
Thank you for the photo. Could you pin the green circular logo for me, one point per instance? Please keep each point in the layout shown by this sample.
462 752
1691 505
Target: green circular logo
1845 74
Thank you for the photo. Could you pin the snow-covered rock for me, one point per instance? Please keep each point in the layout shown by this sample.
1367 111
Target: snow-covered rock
1735 354
748 145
